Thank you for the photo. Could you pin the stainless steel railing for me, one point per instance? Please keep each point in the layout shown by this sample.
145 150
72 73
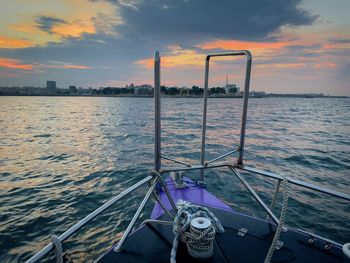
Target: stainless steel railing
157 115
157 160
245 104
238 165
233 167
47 249
203 163
235 170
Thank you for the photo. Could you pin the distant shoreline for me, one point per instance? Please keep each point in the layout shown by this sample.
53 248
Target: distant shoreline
183 97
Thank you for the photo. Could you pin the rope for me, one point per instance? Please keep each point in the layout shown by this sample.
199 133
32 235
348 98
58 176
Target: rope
67 258
346 249
165 187
194 238
282 219
197 239
57 249
200 240
166 190
156 196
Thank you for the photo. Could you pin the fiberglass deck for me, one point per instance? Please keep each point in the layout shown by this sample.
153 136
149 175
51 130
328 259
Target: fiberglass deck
153 243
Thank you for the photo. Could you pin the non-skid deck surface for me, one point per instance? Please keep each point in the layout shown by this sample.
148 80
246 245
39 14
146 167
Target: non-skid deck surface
153 243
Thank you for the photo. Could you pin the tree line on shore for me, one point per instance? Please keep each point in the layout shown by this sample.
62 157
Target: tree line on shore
195 90
112 91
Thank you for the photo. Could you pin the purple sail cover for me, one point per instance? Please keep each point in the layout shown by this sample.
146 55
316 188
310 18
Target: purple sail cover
193 193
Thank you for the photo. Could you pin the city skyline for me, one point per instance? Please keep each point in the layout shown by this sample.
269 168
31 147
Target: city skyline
230 90
298 46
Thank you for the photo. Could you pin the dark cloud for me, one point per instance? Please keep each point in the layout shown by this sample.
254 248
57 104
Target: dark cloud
341 40
110 57
229 19
154 24
99 48
45 23
303 47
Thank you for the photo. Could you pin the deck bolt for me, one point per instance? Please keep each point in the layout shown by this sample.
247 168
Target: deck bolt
311 240
242 232
279 244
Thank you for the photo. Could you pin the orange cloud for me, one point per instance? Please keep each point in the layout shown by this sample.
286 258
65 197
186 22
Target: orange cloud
281 65
325 65
17 64
14 64
60 65
25 28
336 45
76 66
238 45
330 46
75 29
178 58
20 26
181 57
6 42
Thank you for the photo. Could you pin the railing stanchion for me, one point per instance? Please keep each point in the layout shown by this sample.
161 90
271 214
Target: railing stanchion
157 121
136 216
255 195
245 107
204 124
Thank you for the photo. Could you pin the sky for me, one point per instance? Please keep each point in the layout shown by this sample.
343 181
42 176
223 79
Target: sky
297 46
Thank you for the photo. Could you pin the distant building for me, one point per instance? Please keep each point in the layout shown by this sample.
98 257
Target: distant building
51 85
184 91
29 90
231 88
10 91
143 90
72 90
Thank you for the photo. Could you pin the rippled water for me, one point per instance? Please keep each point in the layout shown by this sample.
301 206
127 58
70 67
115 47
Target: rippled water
62 157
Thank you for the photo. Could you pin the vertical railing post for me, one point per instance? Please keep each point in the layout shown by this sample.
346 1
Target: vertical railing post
245 107
136 216
204 125
157 123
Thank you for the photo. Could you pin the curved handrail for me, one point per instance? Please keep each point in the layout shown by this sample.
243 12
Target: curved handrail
245 102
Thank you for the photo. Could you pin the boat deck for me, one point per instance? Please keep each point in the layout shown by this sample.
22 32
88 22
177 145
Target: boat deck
153 242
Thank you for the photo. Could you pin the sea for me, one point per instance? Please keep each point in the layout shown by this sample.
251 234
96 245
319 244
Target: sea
63 157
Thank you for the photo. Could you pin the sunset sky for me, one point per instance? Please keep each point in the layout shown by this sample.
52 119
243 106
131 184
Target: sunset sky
298 46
